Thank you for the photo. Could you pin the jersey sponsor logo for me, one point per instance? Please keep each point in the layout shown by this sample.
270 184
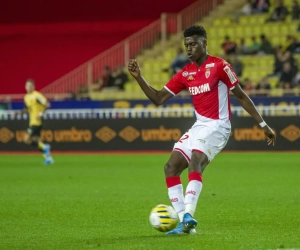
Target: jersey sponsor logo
211 65
199 89
230 74
190 192
191 78
174 200
185 73
207 73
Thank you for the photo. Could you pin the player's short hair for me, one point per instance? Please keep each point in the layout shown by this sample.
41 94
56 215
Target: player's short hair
195 30
31 81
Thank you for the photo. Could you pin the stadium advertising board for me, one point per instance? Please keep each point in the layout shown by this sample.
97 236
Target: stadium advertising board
145 134
174 102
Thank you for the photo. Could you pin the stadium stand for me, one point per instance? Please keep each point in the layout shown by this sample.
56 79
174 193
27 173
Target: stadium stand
155 48
256 66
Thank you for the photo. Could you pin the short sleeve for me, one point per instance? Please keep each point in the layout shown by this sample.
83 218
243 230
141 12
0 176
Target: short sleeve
175 85
41 99
227 75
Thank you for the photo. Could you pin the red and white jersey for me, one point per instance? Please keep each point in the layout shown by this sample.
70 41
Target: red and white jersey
209 86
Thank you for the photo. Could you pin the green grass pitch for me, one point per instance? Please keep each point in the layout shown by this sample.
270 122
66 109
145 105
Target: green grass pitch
248 201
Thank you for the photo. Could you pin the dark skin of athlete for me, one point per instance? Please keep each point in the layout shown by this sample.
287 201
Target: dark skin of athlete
196 50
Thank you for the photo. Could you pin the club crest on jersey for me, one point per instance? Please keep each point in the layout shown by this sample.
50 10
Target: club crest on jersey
185 73
207 73
191 78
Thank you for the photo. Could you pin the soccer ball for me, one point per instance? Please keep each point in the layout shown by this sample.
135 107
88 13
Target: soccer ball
163 218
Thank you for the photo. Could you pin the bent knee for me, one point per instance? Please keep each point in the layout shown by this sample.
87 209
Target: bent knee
201 158
172 170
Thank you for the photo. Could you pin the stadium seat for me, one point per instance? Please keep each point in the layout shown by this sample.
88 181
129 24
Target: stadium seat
266 29
293 27
273 82
248 30
239 29
156 77
165 77
244 20
276 41
170 54
257 30
276 92
261 19
284 29
148 65
129 86
231 32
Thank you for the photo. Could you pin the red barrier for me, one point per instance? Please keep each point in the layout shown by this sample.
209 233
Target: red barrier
49 51
34 11
49 43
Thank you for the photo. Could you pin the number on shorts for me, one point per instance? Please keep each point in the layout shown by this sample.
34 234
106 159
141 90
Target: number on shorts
183 138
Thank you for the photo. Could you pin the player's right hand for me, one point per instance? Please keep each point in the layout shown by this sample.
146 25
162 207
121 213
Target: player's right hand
134 68
270 134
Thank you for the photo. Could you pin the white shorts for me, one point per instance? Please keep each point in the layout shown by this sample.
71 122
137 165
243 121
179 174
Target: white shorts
208 137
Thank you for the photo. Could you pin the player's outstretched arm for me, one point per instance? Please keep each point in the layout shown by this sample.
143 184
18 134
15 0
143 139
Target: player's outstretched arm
249 106
158 97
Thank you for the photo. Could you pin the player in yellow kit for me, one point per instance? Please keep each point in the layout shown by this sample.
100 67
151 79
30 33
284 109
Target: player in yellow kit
35 106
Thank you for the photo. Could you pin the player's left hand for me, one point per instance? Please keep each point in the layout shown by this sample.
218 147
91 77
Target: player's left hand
271 136
38 117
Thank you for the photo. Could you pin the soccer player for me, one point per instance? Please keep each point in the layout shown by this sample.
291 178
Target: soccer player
35 106
208 79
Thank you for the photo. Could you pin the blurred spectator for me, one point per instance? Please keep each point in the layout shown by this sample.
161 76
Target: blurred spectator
279 13
287 87
243 49
278 61
228 46
237 66
71 96
179 61
107 80
82 93
246 10
254 46
260 6
294 46
263 86
121 78
287 75
296 81
281 58
288 57
265 46
295 10
298 28
248 86
287 43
